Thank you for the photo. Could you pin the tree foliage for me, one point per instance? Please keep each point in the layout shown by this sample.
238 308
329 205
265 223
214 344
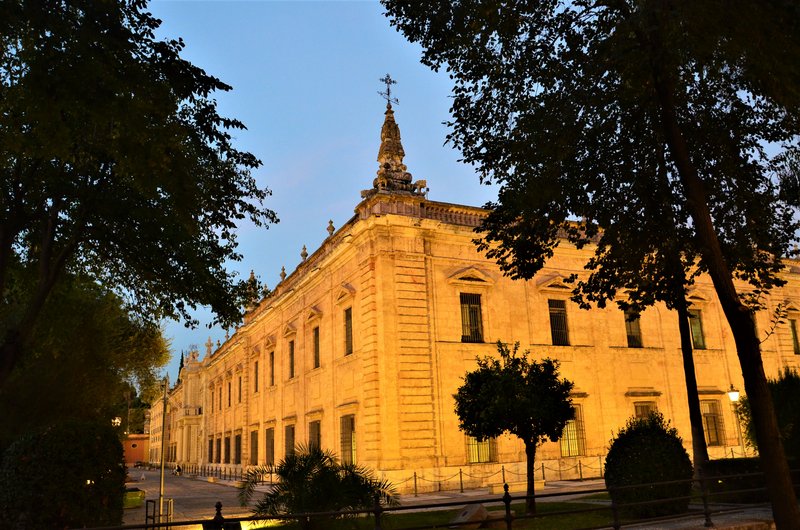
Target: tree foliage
658 131
515 395
115 164
87 352
785 391
67 476
314 480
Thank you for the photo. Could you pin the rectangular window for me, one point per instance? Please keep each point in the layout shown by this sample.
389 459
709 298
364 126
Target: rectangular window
220 398
795 340
288 439
481 452
230 385
642 409
219 451
255 377
471 319
212 400
315 337
573 438
314 434
227 456
712 422
348 331
239 400
347 425
210 450
696 327
272 368
632 329
269 446
253 448
291 359
558 322
237 449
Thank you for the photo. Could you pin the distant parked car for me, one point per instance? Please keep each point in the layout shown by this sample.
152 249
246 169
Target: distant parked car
138 463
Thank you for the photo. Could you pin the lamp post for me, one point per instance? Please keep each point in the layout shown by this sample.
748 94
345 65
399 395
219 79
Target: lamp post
163 431
733 395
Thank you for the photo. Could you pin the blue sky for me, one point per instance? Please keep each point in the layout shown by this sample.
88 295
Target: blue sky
305 82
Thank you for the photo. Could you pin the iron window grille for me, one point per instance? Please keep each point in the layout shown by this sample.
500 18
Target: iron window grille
272 368
227 456
255 377
315 335
573 438
633 330
712 422
471 318
314 434
347 426
237 449
269 446
291 359
253 448
348 331
481 452
696 327
288 438
558 322
642 409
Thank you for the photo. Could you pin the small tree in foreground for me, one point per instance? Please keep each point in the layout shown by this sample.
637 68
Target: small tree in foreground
513 394
645 451
314 480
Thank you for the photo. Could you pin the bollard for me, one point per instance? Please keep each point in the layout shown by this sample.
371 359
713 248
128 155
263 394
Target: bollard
415 483
543 477
461 480
377 510
503 473
507 502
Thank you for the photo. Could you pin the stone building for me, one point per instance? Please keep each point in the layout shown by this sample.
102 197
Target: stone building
361 348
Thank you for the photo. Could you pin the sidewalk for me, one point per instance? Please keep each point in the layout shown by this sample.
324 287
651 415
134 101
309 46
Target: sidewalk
194 498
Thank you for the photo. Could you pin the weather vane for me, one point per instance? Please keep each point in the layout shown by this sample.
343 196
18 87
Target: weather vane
388 94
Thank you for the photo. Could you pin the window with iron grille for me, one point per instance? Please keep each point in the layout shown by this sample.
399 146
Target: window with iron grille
212 399
696 327
291 359
272 368
471 319
573 438
642 409
255 377
230 385
314 434
288 439
795 340
227 456
712 422
253 448
239 394
480 452
632 329
347 426
558 322
237 449
219 451
220 398
315 337
210 450
269 446
348 331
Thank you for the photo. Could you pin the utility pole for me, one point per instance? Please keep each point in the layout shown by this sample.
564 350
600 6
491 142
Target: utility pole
163 434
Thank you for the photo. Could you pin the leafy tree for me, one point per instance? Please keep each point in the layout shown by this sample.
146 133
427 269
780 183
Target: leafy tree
116 164
68 476
786 395
513 394
648 119
314 480
87 352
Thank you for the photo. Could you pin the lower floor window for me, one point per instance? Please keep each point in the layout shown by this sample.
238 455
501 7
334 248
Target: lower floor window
573 438
479 452
712 422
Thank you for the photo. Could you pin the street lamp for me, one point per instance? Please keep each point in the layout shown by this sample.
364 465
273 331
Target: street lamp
733 395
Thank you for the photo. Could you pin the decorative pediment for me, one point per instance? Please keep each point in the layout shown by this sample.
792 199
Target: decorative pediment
346 292
269 342
553 282
646 391
314 313
696 295
289 330
471 276
255 350
792 305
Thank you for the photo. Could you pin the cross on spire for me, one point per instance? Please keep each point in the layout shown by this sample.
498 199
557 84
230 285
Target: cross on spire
388 94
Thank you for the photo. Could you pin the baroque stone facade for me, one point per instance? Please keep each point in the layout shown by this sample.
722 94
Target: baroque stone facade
361 348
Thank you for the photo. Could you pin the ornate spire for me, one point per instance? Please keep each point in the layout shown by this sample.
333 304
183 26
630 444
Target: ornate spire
392 174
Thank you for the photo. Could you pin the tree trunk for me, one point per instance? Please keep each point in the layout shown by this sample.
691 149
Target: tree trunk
773 460
530 456
699 449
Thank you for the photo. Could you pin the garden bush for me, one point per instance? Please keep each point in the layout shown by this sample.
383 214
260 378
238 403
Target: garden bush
69 476
645 451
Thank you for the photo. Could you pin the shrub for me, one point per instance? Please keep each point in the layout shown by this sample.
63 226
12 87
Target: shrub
69 476
313 480
747 475
645 451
